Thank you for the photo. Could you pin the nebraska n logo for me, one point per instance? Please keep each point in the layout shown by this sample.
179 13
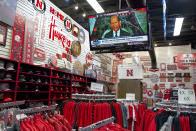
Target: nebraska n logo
129 72
39 5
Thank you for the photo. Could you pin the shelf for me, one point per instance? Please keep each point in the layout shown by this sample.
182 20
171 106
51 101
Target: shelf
7 80
34 74
63 92
60 78
78 87
36 100
79 81
35 65
91 78
7 70
60 71
59 99
7 91
33 83
61 85
33 91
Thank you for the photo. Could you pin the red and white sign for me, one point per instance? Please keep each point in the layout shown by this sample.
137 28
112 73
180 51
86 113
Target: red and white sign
29 44
39 5
130 72
39 54
89 59
18 37
145 58
186 60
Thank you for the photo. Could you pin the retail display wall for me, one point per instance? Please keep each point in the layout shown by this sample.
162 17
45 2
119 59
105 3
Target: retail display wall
47 37
168 75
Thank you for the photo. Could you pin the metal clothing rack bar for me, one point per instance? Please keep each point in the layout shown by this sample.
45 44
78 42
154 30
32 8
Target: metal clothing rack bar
175 106
96 96
10 104
4 114
36 109
33 110
97 124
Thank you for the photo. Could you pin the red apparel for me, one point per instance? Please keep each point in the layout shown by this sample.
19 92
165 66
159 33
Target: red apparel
118 113
111 127
130 117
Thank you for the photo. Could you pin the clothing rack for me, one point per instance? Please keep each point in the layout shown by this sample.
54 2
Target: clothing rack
10 104
4 113
97 124
93 97
33 110
176 107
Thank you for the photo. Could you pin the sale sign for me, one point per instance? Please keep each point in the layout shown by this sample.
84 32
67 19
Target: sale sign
186 96
186 60
130 72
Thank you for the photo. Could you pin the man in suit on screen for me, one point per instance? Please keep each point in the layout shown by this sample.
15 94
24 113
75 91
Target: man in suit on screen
116 31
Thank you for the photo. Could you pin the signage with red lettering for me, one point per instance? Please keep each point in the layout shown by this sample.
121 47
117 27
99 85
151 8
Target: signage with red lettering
186 60
130 72
39 54
29 44
18 37
89 59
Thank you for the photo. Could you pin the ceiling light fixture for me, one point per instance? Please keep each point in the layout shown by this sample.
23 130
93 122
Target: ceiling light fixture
96 6
170 43
178 26
84 14
76 7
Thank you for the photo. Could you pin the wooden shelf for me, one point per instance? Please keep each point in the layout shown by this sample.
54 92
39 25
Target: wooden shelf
60 78
32 83
8 80
8 70
50 77
7 91
33 91
34 74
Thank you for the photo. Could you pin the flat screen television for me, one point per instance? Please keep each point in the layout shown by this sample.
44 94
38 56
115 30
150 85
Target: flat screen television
8 11
125 30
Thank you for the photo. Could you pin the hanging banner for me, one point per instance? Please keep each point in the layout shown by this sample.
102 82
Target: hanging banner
28 41
186 60
18 37
186 96
130 72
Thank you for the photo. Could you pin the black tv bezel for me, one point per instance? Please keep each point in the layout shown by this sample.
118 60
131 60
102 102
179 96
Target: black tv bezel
113 49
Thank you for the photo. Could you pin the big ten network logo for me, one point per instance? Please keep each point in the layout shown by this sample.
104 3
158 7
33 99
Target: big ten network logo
39 5
141 11
129 72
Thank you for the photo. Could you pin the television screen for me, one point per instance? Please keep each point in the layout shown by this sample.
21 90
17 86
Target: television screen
8 11
125 30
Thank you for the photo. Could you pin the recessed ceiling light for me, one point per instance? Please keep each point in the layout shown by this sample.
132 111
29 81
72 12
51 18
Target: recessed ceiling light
96 6
155 44
84 14
76 7
170 43
178 26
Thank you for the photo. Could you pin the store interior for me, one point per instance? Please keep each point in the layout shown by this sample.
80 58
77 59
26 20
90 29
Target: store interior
97 65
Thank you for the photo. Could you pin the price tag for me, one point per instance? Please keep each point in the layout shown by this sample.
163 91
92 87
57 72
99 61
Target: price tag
130 96
97 87
186 96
